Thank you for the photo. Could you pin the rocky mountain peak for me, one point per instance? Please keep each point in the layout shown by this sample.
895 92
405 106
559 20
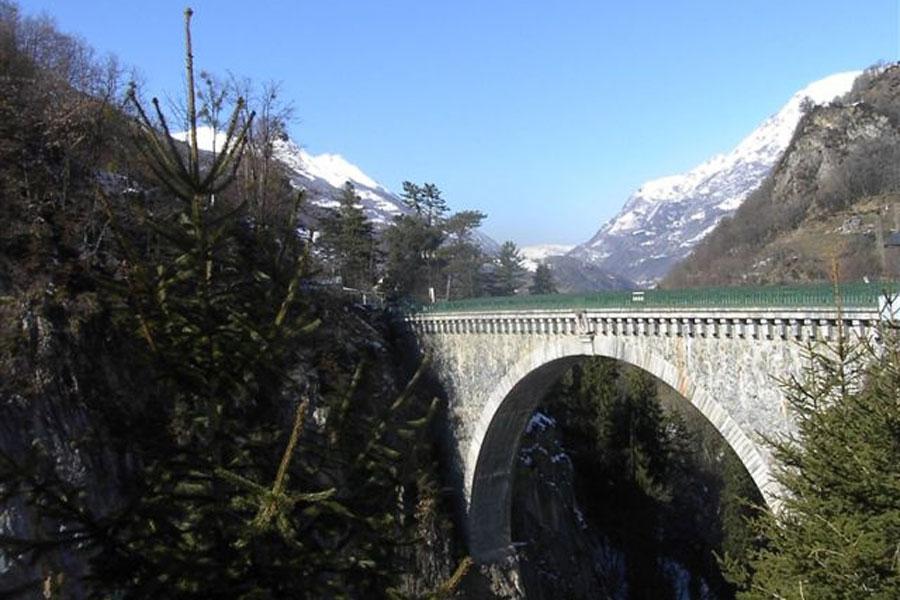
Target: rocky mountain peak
665 218
827 207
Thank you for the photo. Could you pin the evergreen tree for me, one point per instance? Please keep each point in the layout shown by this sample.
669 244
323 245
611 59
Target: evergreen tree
508 271
614 420
415 261
588 392
645 478
542 282
463 259
836 533
350 240
434 205
413 198
411 264
427 251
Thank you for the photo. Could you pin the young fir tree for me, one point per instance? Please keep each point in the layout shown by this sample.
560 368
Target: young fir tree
542 282
837 532
226 484
508 272
350 240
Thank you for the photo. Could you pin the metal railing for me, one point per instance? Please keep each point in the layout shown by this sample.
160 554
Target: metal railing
850 295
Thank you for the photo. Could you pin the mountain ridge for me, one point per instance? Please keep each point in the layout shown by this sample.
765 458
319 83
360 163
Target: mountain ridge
323 175
665 218
828 207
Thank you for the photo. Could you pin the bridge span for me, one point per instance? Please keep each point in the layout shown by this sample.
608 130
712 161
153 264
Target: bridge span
723 350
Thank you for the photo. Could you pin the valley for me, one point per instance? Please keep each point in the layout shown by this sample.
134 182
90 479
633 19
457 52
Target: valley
231 367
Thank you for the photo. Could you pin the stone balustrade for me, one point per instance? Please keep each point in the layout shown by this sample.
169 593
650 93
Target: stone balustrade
796 325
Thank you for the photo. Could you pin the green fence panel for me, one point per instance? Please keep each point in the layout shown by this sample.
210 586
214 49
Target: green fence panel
852 295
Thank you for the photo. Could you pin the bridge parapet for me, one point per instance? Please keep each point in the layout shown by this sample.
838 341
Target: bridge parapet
822 296
785 324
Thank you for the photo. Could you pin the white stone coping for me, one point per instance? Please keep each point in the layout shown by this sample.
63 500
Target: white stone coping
768 323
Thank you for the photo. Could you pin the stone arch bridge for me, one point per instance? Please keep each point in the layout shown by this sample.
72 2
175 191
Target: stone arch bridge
722 350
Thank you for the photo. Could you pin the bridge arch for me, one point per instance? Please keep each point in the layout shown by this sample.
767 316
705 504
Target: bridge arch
721 350
494 444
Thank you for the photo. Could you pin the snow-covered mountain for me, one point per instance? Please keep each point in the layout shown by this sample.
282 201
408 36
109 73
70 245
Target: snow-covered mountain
571 275
533 255
665 218
323 176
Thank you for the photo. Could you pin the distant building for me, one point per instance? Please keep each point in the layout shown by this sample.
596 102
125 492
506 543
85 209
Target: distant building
892 254
892 240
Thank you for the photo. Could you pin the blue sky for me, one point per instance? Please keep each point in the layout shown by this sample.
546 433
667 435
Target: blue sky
544 115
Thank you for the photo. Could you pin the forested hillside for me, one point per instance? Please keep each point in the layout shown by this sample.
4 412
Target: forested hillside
620 471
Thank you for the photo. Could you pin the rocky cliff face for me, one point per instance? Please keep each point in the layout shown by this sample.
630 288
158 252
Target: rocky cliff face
559 556
71 362
66 352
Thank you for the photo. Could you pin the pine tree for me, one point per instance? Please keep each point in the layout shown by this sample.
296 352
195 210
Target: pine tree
350 240
836 533
463 259
411 257
542 282
509 272
415 258
435 205
413 198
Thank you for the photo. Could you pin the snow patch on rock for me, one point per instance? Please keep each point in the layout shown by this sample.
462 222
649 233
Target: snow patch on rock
539 422
536 254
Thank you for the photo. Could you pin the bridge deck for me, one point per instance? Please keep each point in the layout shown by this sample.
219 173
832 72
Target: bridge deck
853 295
